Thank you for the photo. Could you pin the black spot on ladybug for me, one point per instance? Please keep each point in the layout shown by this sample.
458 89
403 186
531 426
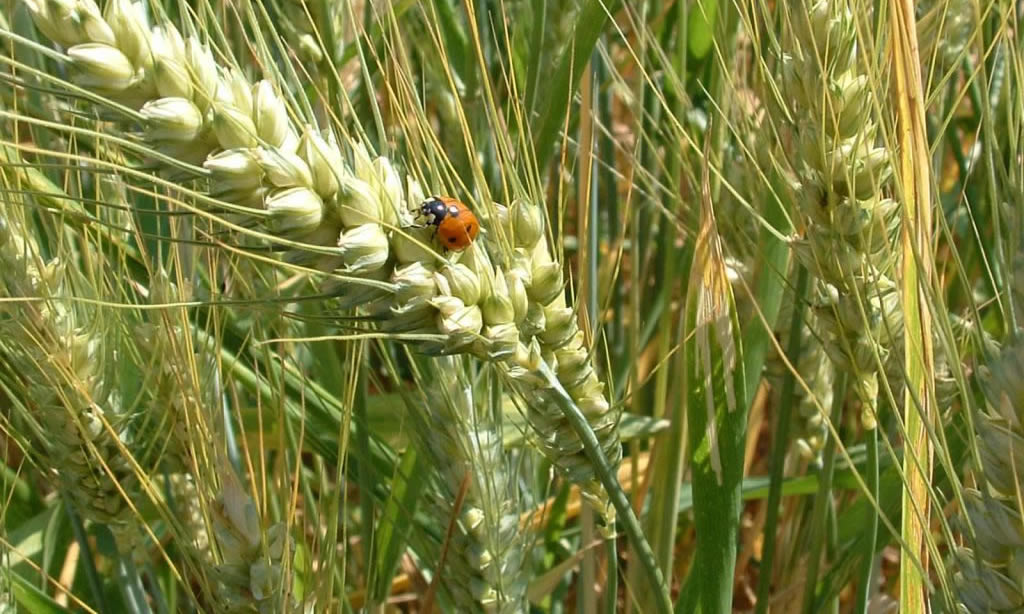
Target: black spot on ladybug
451 239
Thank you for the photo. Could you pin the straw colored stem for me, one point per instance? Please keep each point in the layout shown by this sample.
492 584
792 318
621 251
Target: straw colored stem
913 173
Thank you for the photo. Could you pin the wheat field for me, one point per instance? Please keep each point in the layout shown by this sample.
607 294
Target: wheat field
715 308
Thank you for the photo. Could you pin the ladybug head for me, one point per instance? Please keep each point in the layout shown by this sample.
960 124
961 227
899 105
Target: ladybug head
433 210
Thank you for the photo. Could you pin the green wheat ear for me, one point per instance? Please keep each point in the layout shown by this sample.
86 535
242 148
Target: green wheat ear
840 181
818 374
486 565
251 574
988 579
77 421
107 398
336 208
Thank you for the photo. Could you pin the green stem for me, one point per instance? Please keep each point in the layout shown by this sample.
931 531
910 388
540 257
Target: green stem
605 192
588 123
364 476
865 583
131 586
88 558
832 549
611 586
587 600
781 443
606 475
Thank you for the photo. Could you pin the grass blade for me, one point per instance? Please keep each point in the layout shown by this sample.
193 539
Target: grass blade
724 381
589 26
393 531
780 446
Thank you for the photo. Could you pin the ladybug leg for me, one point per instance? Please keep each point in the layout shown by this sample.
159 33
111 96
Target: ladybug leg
419 225
419 222
422 220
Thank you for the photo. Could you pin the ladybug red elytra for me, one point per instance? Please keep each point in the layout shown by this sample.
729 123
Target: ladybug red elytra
456 224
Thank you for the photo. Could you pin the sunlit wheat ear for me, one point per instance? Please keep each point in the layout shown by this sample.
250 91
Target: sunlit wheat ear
988 579
106 390
516 315
352 211
485 568
251 576
54 352
840 181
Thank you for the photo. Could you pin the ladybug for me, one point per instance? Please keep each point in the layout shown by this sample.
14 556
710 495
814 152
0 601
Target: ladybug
456 224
